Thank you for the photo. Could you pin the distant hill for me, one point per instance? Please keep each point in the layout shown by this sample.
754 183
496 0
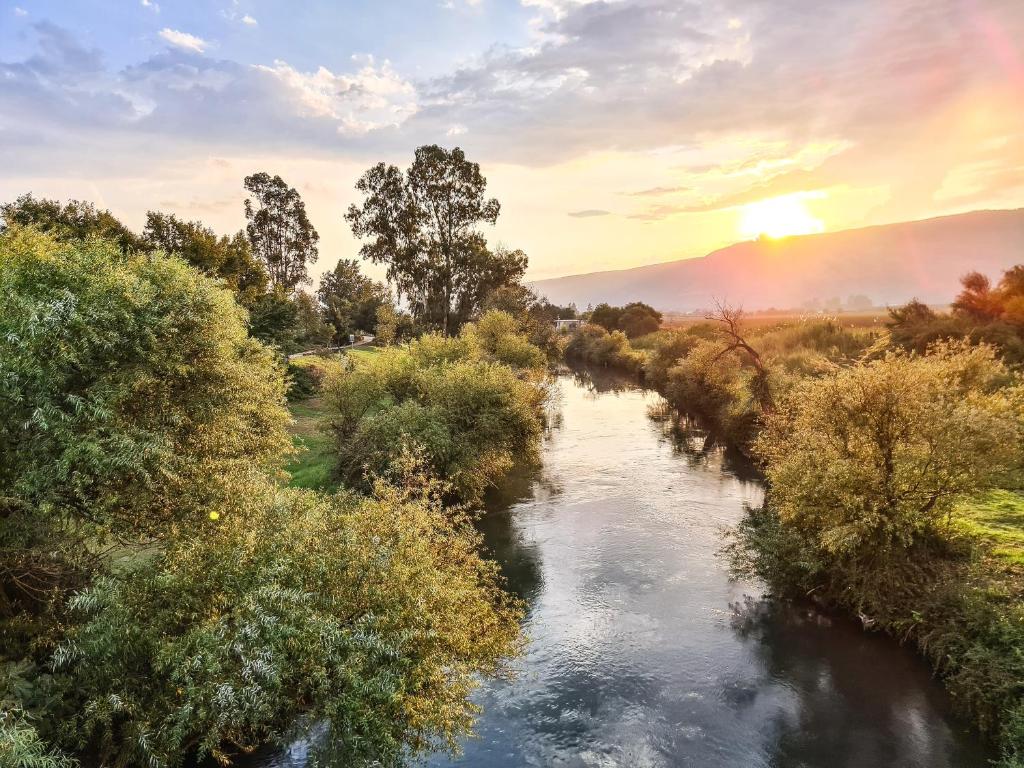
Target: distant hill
889 264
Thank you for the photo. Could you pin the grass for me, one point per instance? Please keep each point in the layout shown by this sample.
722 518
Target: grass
313 464
360 354
998 518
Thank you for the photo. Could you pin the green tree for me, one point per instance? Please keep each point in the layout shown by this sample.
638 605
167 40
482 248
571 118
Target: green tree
377 614
424 225
279 230
865 461
229 258
132 402
606 316
73 220
638 319
350 300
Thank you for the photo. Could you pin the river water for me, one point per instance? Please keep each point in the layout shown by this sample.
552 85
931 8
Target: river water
644 653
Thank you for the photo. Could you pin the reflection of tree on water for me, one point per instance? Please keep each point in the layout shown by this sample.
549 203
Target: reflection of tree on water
598 380
692 439
824 714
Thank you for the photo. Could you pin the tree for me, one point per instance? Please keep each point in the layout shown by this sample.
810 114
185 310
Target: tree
639 319
977 300
74 220
424 225
379 615
350 300
606 316
229 258
131 401
280 233
865 461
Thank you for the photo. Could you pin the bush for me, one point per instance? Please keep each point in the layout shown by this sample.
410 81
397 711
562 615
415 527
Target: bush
375 614
130 393
872 457
307 374
593 344
471 417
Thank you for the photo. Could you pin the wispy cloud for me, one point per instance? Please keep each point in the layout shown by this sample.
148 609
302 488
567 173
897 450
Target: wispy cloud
19 11
184 40
589 213
657 191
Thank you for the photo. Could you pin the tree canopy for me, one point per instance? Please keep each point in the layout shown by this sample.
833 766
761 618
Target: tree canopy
279 230
424 224
350 300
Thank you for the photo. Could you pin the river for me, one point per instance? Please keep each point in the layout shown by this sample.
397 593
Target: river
643 653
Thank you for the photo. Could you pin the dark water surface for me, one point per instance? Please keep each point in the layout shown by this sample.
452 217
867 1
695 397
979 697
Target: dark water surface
642 651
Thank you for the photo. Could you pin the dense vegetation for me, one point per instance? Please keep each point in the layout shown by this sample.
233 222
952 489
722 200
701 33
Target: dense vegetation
162 596
470 407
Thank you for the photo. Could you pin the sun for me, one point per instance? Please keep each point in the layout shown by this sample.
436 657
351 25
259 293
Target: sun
780 217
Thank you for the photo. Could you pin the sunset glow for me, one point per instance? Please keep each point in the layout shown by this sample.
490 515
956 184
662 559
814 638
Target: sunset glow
779 217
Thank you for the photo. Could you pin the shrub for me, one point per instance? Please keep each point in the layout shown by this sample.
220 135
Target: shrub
130 392
871 457
471 417
307 374
593 344
376 614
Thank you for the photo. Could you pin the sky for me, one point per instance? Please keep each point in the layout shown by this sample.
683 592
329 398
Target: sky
615 133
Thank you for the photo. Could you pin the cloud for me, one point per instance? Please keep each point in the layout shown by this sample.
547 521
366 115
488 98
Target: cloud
19 11
589 213
373 97
153 6
657 191
249 20
184 40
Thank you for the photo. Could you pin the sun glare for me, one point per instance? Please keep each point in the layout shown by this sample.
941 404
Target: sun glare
779 217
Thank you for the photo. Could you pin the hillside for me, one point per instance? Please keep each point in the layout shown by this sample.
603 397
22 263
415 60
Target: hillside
889 264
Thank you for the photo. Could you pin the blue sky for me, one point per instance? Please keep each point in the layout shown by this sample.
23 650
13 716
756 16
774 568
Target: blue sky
614 132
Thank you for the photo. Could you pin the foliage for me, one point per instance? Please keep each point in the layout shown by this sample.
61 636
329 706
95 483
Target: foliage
376 614
350 300
593 344
74 220
128 385
982 314
21 746
537 315
873 457
455 399
307 374
424 225
279 230
499 337
635 319
132 402
229 258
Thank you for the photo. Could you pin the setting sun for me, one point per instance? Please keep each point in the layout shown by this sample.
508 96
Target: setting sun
779 217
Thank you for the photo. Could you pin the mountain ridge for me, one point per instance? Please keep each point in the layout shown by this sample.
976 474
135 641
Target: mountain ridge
889 263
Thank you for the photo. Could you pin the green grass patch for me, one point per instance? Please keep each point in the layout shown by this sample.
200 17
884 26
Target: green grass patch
361 354
998 518
313 465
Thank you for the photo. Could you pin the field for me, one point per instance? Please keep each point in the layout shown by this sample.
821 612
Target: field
761 319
